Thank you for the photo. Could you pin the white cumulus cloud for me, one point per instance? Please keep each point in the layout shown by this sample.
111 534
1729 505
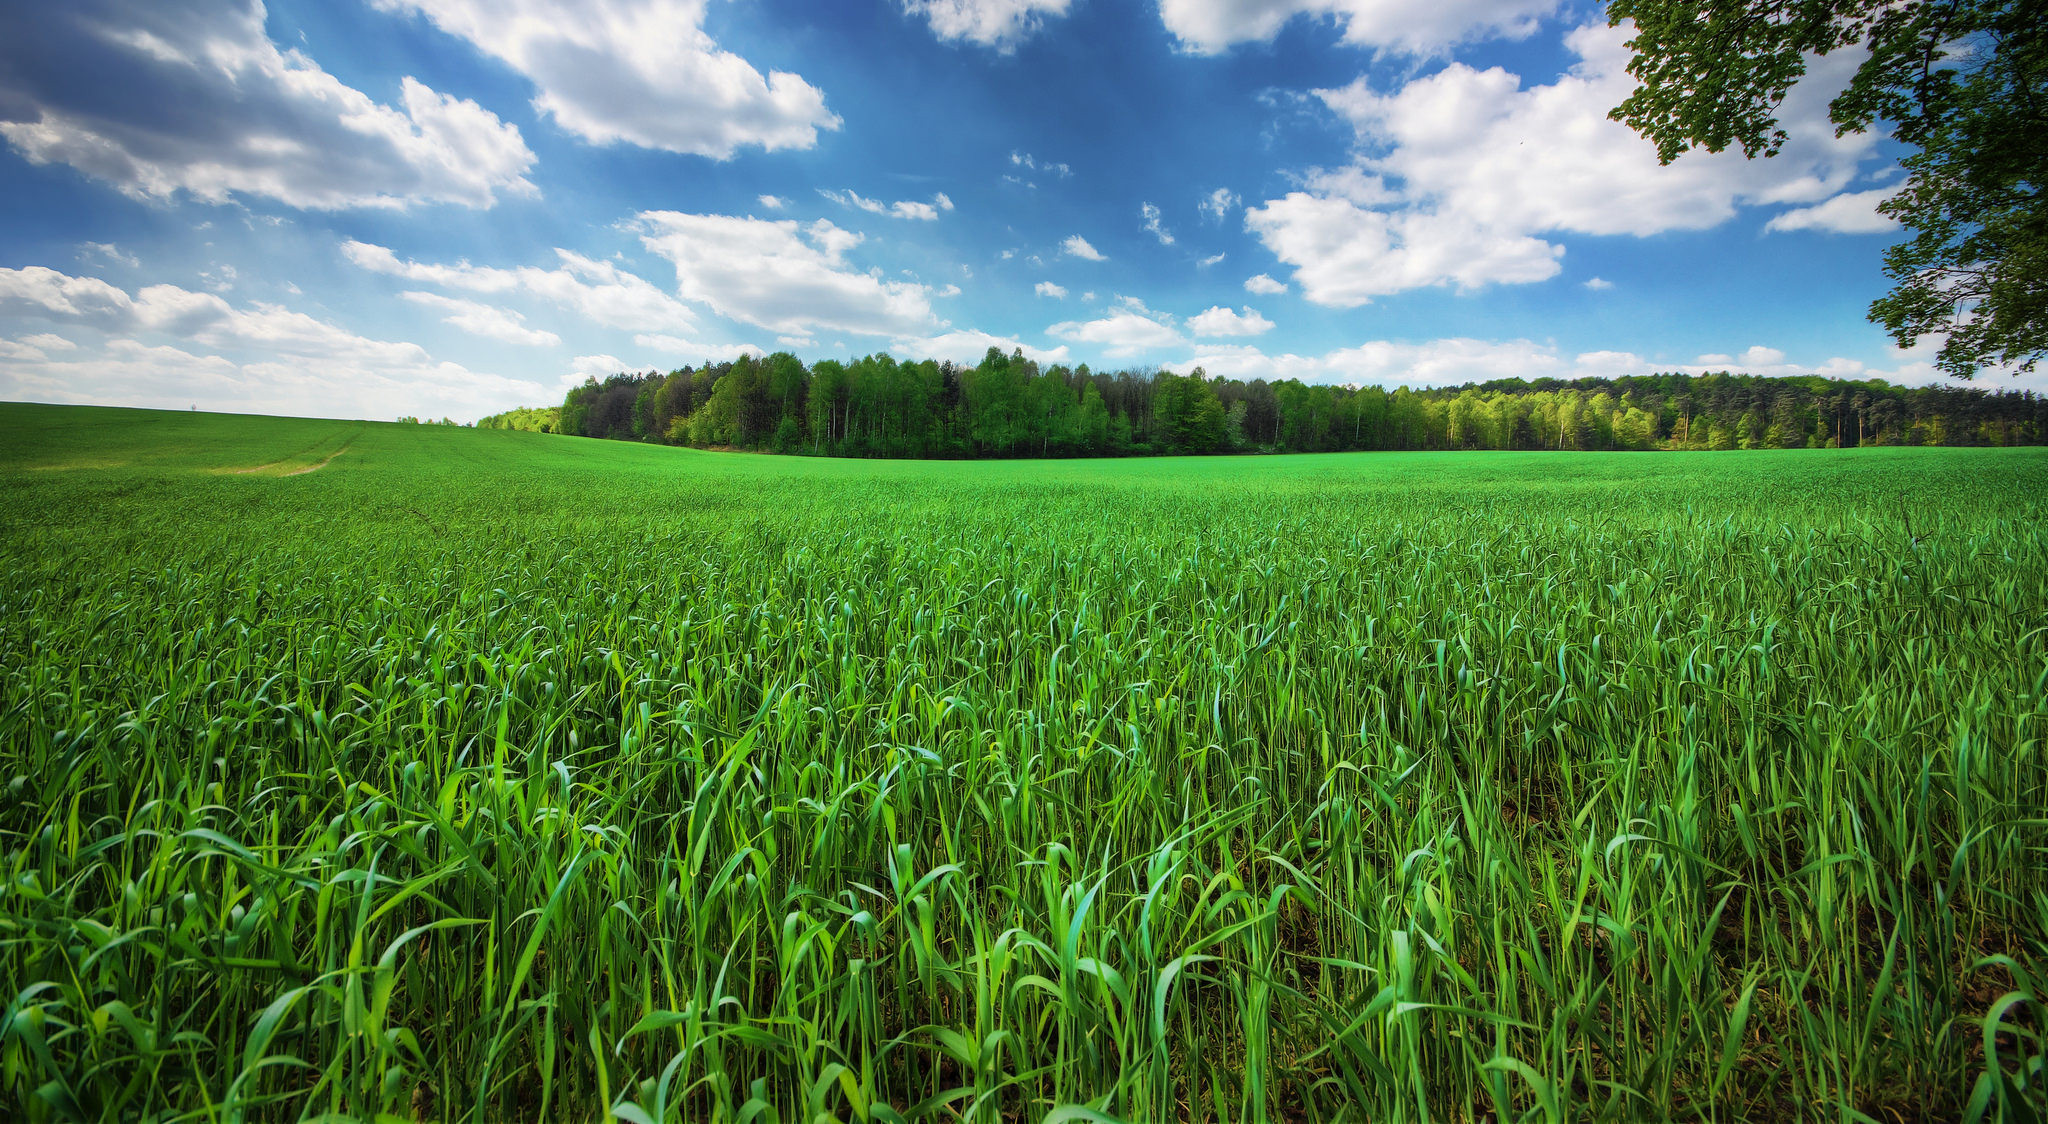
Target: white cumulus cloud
1128 330
1221 321
639 72
1479 145
1001 24
599 367
209 106
1049 289
788 278
1755 356
1078 247
1211 26
1263 285
1344 254
256 357
1465 171
1852 212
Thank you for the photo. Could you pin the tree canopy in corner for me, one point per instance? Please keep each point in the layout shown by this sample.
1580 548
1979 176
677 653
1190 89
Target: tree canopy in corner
1960 81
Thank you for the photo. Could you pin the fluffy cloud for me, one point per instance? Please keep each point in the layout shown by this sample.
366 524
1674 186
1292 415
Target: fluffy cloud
970 347
1078 247
1468 169
1219 203
60 296
902 209
1211 26
1598 283
194 316
641 72
1852 212
1344 254
1153 224
1353 183
1220 321
260 357
598 291
162 96
1547 158
1048 289
1263 285
485 320
1756 357
787 278
1129 329
1607 364
773 202
1001 24
599 367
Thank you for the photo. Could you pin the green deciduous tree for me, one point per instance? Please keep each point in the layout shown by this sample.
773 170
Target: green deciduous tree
1187 413
720 420
1963 82
875 405
995 400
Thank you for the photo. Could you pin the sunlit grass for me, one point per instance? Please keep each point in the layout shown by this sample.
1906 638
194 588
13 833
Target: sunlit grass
483 776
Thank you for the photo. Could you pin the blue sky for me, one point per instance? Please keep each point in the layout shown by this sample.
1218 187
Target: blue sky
449 207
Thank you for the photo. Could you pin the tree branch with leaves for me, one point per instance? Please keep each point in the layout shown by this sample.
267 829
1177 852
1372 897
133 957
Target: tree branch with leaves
1961 82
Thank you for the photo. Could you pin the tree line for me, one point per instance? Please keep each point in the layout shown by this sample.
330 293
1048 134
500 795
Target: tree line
1010 406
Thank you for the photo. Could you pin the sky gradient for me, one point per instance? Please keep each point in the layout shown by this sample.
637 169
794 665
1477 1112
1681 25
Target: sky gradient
368 208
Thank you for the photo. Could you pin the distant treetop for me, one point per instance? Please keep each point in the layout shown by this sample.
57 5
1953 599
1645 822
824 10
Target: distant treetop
1009 406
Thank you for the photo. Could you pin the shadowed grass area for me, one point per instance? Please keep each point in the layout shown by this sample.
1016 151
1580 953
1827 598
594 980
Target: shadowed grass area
488 775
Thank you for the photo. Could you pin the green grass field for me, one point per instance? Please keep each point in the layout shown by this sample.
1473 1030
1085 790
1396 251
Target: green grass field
498 776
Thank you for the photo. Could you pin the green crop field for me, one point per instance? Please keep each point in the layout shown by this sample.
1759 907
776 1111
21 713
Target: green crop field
499 776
